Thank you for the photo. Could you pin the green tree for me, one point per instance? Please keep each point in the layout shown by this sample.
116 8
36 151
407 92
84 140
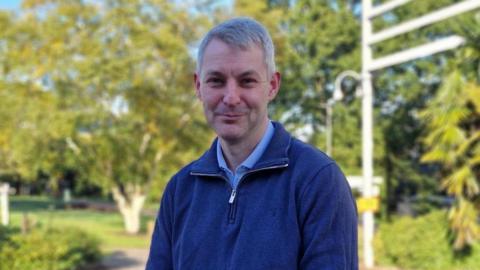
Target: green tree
453 140
430 85
117 80
33 129
401 92
146 119
323 40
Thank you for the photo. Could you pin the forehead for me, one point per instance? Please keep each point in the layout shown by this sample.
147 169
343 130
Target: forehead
224 58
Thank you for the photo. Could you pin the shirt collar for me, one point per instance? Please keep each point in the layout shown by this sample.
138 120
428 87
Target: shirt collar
276 154
257 152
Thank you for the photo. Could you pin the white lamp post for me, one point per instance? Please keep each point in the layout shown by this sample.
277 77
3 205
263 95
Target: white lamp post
367 153
337 96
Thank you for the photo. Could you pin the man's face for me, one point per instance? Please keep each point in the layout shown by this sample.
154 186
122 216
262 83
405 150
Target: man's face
235 90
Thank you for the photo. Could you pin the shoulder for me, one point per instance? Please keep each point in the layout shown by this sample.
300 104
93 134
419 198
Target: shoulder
304 155
313 169
181 177
206 163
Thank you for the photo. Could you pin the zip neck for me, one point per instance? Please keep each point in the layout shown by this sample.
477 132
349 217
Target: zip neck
232 203
276 153
232 197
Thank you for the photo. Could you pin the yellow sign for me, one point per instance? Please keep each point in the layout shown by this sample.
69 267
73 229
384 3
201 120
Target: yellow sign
368 204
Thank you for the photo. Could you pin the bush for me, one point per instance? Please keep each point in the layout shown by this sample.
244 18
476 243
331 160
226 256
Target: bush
52 249
422 243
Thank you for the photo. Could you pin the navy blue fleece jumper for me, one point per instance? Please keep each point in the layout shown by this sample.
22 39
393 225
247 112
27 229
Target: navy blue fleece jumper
292 210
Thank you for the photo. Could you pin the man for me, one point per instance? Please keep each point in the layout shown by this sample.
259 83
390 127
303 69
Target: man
258 199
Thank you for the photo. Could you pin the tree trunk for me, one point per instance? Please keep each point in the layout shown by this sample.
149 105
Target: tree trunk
130 202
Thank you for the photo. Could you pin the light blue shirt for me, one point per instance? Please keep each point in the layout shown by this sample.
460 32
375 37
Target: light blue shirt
248 163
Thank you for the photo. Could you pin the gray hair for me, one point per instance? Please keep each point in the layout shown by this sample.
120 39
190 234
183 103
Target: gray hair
241 33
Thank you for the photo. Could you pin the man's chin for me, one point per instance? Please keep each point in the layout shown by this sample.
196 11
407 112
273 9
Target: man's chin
230 137
229 133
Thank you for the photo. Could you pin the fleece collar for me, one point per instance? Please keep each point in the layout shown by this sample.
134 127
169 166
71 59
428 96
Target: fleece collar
274 155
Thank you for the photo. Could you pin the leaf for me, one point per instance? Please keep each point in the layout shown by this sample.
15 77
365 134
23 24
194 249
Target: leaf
467 144
452 136
463 220
461 182
435 155
473 92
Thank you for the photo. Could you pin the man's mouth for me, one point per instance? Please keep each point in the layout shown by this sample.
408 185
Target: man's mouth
230 116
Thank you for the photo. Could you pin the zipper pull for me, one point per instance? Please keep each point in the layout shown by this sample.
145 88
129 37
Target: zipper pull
232 196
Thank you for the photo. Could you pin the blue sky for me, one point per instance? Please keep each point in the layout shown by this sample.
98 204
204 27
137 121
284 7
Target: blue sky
10 4
15 4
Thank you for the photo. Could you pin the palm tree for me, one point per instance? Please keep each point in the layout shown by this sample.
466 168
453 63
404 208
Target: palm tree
453 140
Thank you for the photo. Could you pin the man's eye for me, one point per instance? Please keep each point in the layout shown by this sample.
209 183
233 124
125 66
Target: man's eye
215 82
248 82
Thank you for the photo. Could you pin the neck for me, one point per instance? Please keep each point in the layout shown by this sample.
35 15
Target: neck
235 152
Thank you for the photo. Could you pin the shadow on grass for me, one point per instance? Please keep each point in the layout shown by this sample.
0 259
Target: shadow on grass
34 204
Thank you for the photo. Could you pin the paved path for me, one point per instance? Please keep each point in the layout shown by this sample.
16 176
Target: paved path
135 259
126 259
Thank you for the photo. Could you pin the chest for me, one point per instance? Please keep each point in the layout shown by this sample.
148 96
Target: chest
215 232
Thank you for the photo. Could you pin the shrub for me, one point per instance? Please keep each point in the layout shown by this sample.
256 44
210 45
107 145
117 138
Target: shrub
422 243
5 234
52 249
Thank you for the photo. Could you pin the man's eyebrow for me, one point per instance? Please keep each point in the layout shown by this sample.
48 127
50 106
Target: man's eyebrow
249 73
213 73
216 73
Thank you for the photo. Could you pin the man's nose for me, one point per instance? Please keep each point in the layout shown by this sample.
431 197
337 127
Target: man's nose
232 94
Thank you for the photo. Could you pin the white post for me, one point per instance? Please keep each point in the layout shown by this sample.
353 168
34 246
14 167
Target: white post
4 203
368 65
367 134
430 18
433 47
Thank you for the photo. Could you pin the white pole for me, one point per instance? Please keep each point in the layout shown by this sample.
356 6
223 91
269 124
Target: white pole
425 20
4 203
430 48
380 9
367 134
368 38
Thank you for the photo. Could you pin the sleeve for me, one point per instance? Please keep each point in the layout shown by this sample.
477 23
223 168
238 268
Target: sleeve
160 256
328 220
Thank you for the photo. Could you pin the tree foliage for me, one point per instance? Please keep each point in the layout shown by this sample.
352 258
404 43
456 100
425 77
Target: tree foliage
422 86
323 40
452 138
404 90
110 88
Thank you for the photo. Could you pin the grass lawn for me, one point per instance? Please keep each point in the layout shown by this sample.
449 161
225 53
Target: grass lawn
106 226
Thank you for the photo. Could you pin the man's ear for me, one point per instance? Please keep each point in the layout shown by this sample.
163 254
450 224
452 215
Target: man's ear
274 86
196 81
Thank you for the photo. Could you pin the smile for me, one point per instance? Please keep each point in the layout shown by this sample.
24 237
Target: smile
231 116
